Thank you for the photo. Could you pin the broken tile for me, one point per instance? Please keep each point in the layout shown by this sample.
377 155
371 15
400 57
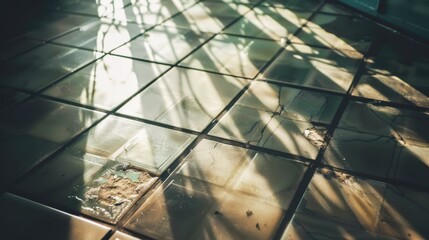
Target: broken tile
185 98
314 67
40 67
141 145
34 130
360 152
107 83
268 22
24 219
233 55
208 16
103 36
112 193
163 44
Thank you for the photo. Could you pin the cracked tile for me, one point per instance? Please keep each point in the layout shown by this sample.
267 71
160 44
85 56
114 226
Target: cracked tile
270 23
107 83
163 44
185 98
291 103
314 67
406 126
33 130
40 67
208 16
237 56
360 152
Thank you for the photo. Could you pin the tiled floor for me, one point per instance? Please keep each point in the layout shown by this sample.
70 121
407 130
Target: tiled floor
233 119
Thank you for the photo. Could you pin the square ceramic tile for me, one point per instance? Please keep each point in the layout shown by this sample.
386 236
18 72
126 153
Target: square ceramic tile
16 47
33 130
266 129
404 213
233 55
208 16
335 9
291 103
411 164
149 12
107 83
185 98
10 97
314 67
163 44
361 152
407 126
338 205
269 23
24 219
214 162
141 145
55 24
238 217
104 35
397 71
272 180
390 89
266 178
171 213
308 5
351 204
58 180
333 31
42 66
118 235
111 193
90 7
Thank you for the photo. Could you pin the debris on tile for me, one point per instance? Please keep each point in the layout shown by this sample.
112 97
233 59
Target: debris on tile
114 191
316 135
249 213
